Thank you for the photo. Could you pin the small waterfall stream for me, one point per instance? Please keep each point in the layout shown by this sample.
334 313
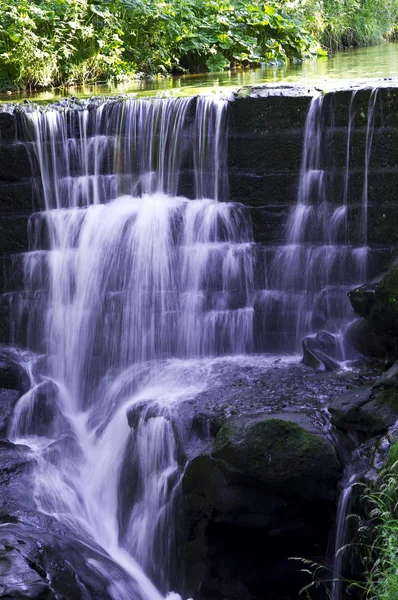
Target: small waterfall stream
132 291
310 274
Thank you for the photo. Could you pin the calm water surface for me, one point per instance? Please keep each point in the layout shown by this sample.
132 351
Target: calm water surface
360 64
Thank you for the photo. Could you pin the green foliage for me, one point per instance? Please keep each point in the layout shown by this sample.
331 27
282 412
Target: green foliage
381 549
61 42
375 545
347 23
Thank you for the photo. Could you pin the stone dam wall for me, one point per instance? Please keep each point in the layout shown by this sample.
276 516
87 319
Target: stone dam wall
265 143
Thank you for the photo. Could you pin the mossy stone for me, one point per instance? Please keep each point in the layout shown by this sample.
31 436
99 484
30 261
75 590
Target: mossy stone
283 451
388 288
378 302
367 410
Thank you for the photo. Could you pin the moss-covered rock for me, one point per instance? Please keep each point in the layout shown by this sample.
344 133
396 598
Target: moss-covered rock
365 410
368 410
265 488
284 452
378 302
387 289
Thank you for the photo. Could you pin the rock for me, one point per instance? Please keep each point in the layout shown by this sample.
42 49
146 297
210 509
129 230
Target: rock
13 376
286 452
367 410
378 302
320 352
39 557
17 578
39 412
369 342
39 565
363 298
14 381
8 399
266 487
390 378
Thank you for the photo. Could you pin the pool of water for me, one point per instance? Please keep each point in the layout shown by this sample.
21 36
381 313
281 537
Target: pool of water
362 64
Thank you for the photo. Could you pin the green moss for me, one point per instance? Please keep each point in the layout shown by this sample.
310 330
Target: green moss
262 436
388 288
274 449
388 395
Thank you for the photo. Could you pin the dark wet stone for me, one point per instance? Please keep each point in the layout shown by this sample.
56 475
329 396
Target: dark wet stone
44 566
367 410
43 415
378 302
268 481
143 411
15 484
388 379
7 127
320 352
8 399
369 342
18 579
39 557
13 375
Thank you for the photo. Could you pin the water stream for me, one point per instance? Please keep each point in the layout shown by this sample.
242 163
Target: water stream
310 274
126 276
132 291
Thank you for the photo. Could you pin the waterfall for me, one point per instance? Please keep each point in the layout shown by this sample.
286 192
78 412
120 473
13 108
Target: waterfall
139 276
343 509
368 150
310 274
125 281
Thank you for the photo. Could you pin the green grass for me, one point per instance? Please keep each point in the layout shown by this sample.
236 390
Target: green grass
381 555
375 545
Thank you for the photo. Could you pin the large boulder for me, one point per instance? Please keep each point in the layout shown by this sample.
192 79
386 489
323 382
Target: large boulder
377 302
370 342
263 492
285 452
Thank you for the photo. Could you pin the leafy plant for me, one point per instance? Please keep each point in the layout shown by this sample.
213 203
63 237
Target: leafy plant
61 42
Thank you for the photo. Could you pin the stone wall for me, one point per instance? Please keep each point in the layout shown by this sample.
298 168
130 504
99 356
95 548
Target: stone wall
266 127
265 148
265 151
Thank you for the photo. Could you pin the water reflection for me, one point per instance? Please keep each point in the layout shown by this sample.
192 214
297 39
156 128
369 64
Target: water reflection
362 63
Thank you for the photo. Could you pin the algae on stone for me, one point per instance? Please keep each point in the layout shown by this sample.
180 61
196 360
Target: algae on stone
283 451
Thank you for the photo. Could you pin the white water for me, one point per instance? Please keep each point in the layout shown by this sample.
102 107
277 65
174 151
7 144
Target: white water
311 273
125 275
134 291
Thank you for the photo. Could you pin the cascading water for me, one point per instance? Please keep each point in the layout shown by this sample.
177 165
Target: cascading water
132 291
123 277
310 274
